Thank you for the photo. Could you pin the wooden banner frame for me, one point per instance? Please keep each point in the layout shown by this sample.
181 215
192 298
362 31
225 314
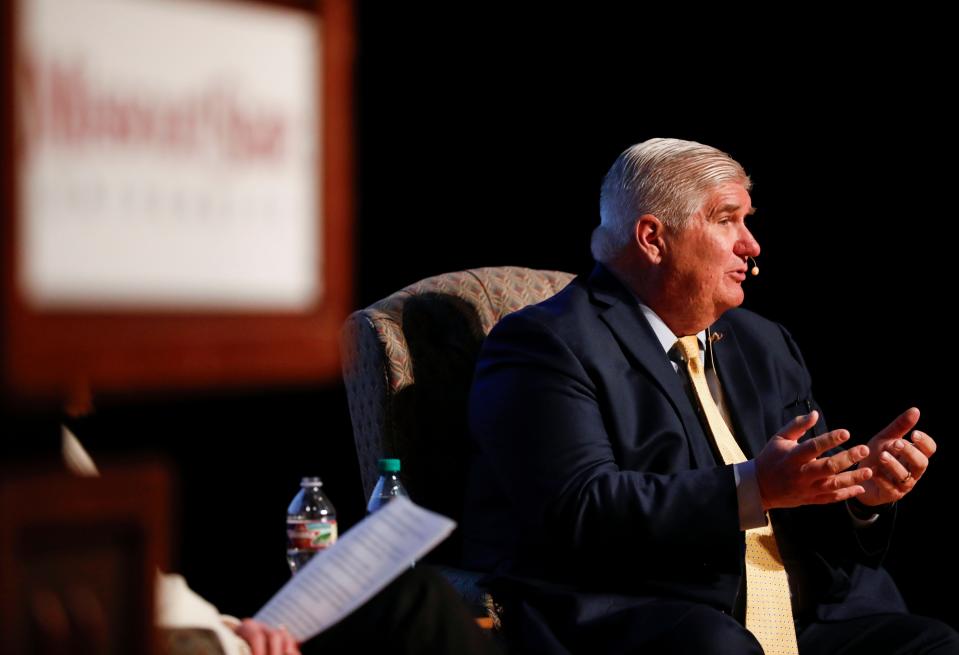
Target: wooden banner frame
64 355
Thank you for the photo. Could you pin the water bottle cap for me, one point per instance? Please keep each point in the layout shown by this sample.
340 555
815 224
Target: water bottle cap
311 482
389 465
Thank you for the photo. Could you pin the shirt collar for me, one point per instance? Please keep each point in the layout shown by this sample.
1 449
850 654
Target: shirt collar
666 337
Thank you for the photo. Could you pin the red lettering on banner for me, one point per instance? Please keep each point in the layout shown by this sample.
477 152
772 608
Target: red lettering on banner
62 107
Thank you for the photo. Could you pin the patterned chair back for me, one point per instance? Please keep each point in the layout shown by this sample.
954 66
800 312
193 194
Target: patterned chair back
408 364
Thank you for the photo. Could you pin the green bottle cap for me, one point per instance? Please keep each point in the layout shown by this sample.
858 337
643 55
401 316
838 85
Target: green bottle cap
389 466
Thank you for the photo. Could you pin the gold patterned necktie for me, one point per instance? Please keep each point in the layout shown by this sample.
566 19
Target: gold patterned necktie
768 608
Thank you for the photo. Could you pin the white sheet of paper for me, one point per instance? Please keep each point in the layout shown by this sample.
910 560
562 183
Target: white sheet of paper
363 561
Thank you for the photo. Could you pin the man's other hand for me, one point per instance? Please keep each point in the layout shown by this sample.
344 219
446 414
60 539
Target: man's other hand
897 464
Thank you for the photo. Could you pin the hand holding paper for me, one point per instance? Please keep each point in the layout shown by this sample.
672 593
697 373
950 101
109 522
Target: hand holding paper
364 560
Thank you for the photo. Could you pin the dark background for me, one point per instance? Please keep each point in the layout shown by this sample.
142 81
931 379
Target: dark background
483 136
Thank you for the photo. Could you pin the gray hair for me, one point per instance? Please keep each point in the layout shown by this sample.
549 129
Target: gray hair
668 178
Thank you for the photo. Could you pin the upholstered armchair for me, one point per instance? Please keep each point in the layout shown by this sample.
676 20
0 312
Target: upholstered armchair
408 364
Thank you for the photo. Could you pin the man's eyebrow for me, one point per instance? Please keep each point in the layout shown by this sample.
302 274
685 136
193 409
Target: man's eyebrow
731 207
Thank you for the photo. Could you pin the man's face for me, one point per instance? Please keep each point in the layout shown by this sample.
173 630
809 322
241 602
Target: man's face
705 265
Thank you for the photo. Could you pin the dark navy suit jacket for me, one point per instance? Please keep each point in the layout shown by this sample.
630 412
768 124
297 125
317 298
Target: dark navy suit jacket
594 488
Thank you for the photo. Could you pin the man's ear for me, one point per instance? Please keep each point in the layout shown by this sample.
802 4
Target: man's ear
649 238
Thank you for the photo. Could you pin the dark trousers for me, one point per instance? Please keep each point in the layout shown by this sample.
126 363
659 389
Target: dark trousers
419 612
895 634
678 628
705 631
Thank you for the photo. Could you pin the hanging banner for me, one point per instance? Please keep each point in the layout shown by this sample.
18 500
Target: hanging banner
172 155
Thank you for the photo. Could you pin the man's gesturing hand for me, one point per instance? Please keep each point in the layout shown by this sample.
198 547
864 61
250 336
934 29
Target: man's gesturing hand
897 464
792 474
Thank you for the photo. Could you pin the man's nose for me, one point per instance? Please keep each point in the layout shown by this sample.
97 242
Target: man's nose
748 246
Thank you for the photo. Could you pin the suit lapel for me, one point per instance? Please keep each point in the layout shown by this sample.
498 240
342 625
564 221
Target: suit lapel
631 329
741 394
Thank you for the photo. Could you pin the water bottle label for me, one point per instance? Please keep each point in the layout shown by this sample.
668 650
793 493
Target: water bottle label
314 535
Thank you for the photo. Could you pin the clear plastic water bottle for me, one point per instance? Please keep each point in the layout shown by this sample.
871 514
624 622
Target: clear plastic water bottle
388 486
310 524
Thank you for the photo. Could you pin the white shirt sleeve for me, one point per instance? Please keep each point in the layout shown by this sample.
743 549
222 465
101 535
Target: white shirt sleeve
178 606
751 513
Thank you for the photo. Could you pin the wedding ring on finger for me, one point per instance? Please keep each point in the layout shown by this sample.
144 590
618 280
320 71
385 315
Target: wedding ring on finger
907 478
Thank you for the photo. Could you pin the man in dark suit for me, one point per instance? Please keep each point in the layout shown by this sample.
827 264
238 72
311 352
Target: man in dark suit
603 497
